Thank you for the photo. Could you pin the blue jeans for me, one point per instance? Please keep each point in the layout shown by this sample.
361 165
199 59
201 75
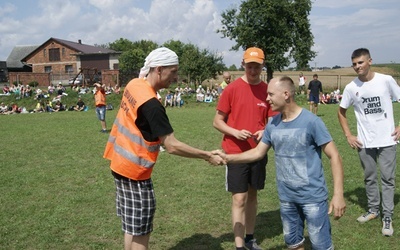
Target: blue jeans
293 216
101 113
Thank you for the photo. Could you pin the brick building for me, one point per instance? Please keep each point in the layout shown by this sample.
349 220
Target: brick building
63 60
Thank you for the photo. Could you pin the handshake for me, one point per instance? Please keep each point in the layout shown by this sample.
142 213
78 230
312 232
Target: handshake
218 157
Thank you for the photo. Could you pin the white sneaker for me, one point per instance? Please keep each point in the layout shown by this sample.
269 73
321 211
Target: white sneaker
368 216
387 228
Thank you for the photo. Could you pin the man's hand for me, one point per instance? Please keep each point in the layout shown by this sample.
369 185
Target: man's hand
243 134
217 158
257 135
353 142
396 133
338 206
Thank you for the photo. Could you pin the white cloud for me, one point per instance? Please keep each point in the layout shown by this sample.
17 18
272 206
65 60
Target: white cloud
338 34
7 9
338 26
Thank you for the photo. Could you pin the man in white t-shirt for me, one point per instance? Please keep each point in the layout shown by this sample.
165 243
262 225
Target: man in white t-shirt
371 96
302 83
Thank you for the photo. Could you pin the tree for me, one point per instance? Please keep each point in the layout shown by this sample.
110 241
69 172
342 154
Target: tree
280 28
121 45
130 63
303 38
177 46
133 56
232 68
199 65
195 64
146 46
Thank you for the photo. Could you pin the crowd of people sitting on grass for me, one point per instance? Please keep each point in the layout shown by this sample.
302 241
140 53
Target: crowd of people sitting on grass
50 99
12 109
42 105
174 98
47 99
207 95
108 89
331 98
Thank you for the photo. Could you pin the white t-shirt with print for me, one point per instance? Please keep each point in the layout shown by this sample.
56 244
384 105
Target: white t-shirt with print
373 108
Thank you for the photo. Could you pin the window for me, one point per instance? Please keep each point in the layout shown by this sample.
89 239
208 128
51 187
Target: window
69 69
44 53
63 51
54 55
47 69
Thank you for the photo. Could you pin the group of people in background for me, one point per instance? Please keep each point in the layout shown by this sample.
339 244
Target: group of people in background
174 99
331 98
19 90
315 94
253 117
7 110
49 99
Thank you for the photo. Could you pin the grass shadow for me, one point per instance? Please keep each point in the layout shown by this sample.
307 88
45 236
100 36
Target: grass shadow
268 225
203 242
358 196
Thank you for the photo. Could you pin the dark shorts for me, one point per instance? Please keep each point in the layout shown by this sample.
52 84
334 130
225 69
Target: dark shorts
240 176
313 98
136 205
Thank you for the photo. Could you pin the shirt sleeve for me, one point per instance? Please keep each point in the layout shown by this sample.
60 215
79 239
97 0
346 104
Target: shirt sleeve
266 138
394 89
320 132
224 102
346 100
153 121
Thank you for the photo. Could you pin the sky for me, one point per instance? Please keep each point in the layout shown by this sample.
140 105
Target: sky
338 26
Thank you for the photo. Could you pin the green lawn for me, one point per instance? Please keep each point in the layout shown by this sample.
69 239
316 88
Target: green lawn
57 191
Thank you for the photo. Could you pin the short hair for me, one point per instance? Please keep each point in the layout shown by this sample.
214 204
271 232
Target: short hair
315 75
226 74
287 83
360 52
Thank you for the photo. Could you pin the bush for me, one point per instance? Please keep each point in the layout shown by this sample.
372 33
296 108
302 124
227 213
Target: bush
33 84
16 83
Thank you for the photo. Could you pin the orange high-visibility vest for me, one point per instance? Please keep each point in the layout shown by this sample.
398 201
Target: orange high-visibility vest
100 98
130 154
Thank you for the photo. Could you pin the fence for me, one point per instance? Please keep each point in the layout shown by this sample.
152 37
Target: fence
329 82
108 77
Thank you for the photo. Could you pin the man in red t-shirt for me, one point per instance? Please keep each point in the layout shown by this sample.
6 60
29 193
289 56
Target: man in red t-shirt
242 114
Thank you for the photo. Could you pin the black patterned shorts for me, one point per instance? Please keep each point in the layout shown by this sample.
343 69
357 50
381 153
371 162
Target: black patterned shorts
136 205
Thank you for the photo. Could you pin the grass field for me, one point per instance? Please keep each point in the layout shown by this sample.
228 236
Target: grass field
57 191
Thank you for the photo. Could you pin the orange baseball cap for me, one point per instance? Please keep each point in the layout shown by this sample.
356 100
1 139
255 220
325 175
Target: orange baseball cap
254 54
